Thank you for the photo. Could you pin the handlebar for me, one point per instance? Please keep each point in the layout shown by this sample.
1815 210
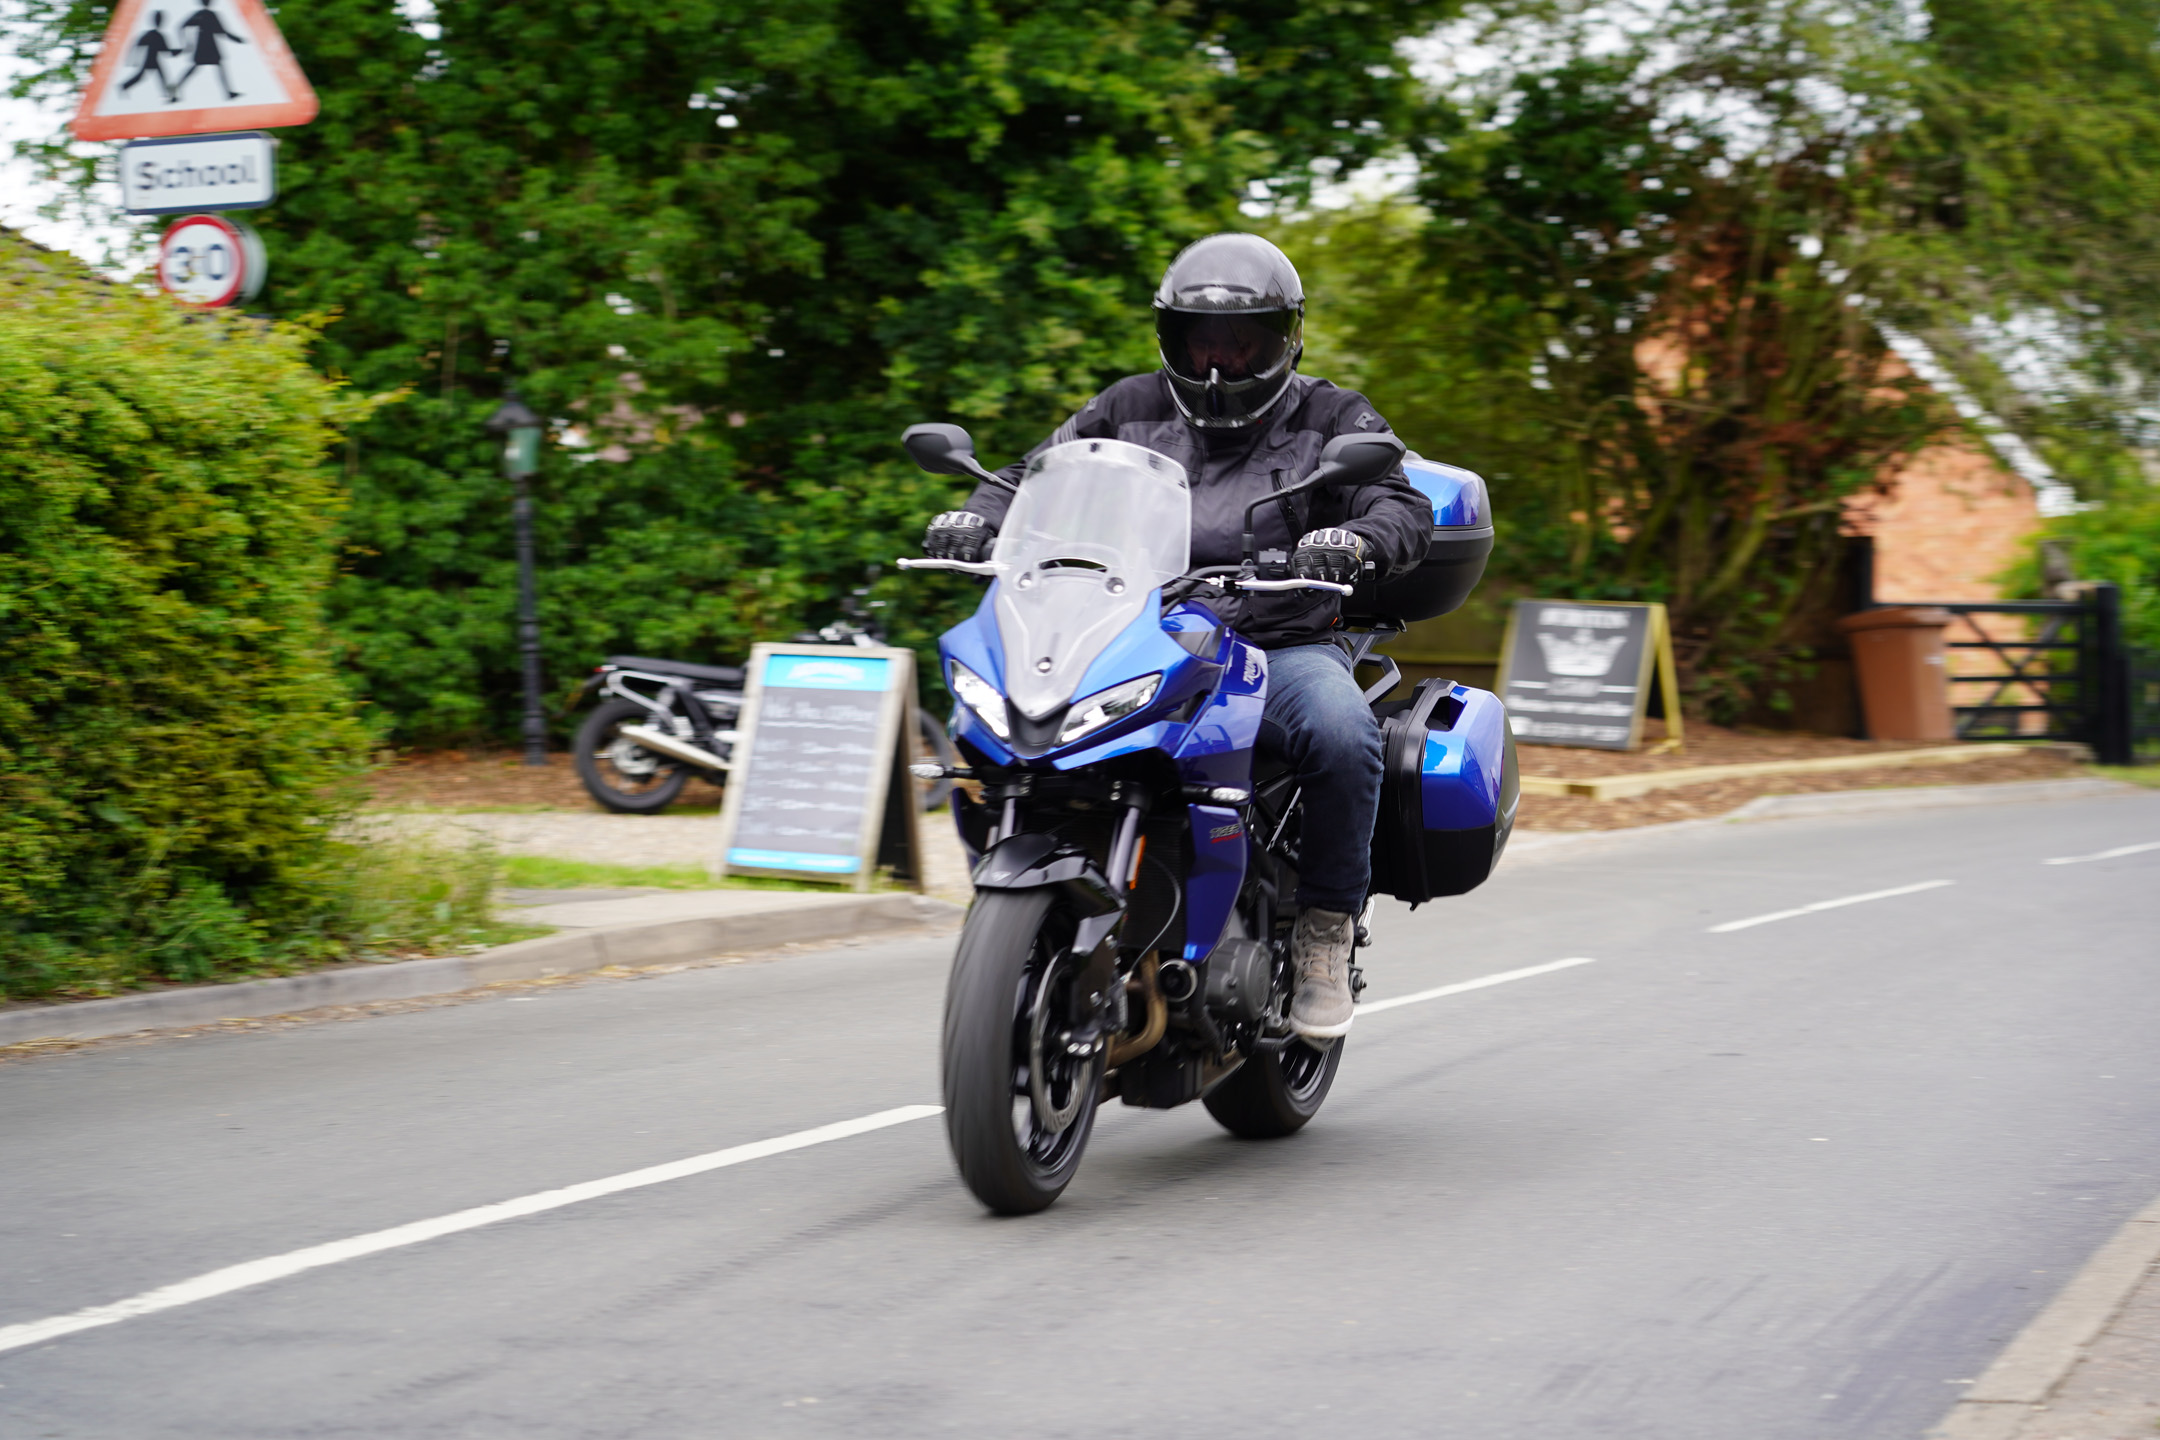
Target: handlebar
1296 585
984 567
965 567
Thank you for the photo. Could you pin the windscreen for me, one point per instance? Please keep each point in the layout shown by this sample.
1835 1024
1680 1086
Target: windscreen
1097 525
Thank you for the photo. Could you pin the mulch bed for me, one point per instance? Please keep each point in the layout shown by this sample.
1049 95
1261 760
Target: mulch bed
1701 802
1706 745
498 779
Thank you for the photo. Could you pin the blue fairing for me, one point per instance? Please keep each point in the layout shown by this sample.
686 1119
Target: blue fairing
1458 495
1462 764
1218 870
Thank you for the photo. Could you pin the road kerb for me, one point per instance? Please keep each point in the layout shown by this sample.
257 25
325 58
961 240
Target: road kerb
568 953
2002 1400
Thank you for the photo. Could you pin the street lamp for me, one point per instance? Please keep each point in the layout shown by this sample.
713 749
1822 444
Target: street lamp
521 429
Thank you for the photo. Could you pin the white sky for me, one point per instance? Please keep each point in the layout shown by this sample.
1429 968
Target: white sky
22 192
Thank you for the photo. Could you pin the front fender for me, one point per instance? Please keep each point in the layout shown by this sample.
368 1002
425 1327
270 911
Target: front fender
1032 862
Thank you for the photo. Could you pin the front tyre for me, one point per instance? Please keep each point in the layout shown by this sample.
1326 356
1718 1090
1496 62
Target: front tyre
1018 1107
1275 1092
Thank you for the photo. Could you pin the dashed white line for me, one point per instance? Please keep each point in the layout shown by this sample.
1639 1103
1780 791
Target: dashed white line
2115 854
1836 904
278 1267
1372 1007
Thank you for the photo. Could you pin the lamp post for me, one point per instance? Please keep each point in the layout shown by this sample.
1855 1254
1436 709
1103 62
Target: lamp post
520 429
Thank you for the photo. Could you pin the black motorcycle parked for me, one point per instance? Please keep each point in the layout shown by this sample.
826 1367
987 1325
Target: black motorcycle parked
664 720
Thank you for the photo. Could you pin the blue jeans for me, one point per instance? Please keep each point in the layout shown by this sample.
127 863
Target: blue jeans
1317 720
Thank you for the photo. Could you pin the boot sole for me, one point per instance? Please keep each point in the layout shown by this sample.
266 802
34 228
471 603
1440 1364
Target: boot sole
1320 1032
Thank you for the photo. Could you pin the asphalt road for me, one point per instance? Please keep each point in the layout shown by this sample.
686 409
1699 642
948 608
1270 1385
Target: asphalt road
1796 1179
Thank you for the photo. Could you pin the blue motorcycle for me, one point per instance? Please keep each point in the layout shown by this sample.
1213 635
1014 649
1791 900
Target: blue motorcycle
1135 861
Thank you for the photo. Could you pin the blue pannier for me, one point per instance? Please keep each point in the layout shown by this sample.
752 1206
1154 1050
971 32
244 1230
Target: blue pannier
1448 792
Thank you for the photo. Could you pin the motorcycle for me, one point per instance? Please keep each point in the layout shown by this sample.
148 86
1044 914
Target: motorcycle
1134 861
661 721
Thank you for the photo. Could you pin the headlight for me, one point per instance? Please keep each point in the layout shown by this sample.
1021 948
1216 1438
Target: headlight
1105 706
980 696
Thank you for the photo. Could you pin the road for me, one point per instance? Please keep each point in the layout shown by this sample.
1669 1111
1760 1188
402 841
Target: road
1792 1179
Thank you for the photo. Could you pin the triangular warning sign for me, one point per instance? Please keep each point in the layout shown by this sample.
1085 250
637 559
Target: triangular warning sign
192 67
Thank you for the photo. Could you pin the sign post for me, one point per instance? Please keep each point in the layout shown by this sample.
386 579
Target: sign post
819 788
1577 672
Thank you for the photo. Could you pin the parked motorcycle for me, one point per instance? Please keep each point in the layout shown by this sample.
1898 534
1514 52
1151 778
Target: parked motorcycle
661 721
1135 864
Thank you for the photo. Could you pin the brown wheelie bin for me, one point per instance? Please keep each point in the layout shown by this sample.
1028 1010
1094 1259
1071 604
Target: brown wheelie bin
1904 680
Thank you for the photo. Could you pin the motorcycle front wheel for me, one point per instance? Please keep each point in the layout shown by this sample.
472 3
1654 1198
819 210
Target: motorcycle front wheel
1018 1107
620 773
1275 1092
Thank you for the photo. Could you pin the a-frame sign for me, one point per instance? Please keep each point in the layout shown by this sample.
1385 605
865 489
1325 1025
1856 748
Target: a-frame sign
192 67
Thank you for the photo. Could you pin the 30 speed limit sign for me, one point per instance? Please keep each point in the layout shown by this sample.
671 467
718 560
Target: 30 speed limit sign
208 260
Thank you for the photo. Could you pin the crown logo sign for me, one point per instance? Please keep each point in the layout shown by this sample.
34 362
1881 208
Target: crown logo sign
1580 654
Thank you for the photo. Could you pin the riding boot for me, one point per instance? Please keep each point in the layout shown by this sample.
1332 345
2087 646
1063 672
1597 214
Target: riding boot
1320 948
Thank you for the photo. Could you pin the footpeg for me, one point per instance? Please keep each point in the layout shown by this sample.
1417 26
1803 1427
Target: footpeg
1357 983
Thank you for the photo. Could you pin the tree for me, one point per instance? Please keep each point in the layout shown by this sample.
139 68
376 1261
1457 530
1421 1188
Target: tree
733 249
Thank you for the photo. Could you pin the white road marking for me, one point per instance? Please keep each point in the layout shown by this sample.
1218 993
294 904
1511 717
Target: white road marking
2115 854
277 1267
1839 903
1373 1007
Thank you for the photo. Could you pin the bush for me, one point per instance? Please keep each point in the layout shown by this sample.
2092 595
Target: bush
175 746
2117 540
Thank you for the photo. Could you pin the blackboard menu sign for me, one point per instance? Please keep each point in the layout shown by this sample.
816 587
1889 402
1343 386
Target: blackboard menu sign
820 787
1575 672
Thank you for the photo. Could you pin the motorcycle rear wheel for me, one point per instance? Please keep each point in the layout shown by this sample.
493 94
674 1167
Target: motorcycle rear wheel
996 1018
619 773
1275 1092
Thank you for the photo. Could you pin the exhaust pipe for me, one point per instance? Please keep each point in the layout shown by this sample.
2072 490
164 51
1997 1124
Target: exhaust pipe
671 747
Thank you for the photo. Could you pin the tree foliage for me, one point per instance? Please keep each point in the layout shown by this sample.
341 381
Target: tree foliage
732 249
172 733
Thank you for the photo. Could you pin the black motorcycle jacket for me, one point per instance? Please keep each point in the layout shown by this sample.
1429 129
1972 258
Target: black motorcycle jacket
1229 470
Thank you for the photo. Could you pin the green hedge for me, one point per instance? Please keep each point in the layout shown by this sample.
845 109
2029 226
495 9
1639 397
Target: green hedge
175 746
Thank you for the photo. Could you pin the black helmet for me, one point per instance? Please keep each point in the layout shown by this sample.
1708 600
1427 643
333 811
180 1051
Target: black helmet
1230 318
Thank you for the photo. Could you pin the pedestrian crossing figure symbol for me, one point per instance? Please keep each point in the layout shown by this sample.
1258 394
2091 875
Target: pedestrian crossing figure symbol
208 32
192 67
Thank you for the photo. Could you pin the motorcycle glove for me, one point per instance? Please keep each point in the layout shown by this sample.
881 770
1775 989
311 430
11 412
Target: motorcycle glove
1332 554
959 535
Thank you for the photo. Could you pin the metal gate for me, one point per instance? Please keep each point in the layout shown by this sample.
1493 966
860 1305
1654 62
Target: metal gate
2065 675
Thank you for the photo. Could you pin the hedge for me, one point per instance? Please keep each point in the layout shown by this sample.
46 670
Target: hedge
175 745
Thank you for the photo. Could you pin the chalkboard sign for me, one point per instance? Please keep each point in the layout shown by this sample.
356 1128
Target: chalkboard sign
1576 672
820 788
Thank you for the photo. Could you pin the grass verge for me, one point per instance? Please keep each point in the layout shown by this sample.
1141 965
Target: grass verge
544 872
2146 775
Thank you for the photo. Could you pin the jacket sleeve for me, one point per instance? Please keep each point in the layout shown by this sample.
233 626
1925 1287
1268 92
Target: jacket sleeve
1391 514
1091 422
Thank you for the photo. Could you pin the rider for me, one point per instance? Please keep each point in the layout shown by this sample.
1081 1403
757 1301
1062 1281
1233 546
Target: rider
1229 405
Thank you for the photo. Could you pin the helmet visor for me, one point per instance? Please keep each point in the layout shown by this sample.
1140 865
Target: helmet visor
1231 346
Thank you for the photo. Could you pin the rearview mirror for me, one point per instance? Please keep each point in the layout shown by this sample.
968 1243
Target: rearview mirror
1359 459
941 449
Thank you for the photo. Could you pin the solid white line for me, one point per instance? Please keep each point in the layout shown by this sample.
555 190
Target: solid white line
2117 853
1373 1007
1731 925
277 1267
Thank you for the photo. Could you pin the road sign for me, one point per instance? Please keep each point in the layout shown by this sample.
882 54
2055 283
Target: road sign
1576 672
208 261
820 786
192 67
207 172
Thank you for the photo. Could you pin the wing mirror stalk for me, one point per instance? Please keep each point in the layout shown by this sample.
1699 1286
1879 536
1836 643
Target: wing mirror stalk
1346 460
948 450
